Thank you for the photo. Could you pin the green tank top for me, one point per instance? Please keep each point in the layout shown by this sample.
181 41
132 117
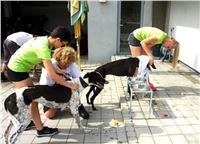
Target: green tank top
32 52
146 32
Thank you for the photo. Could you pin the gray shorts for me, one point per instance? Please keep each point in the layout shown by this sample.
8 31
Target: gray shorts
133 41
9 48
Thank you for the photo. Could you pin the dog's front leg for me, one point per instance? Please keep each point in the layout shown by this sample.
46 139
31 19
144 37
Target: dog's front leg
78 121
74 104
17 132
96 92
77 118
7 131
13 137
92 88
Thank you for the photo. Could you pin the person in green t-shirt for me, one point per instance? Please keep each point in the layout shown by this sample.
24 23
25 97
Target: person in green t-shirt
35 51
143 39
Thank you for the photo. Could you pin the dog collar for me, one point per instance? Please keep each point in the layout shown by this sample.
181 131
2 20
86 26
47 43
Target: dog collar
100 75
85 83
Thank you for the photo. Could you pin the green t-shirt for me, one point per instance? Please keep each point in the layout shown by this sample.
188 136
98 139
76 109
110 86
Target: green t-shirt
146 32
32 52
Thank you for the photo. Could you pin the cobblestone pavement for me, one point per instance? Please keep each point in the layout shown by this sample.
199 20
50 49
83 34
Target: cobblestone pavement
175 117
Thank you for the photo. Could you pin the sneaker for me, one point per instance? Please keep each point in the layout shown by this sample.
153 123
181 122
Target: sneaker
46 132
30 126
82 112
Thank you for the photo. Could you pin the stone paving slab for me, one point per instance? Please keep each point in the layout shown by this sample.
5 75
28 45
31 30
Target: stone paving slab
175 118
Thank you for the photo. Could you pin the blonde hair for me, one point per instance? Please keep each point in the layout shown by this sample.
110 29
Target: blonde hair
65 55
176 47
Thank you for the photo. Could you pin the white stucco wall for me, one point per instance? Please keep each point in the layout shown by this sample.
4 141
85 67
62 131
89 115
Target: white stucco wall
184 17
146 13
103 27
190 49
184 13
102 31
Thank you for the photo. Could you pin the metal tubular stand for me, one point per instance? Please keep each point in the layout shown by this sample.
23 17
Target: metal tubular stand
136 86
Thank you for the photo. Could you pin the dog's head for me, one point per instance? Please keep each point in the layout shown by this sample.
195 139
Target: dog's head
89 79
96 79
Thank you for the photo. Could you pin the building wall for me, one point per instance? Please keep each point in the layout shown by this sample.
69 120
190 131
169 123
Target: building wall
102 30
146 13
185 13
184 21
182 17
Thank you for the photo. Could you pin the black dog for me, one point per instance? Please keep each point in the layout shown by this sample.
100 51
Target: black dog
56 96
122 67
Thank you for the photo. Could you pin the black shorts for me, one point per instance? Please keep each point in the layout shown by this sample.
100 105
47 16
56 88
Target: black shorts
17 76
133 41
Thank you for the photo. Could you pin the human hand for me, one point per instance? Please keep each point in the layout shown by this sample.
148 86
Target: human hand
151 61
74 86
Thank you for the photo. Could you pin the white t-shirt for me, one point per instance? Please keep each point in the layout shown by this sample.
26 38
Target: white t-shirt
72 71
20 37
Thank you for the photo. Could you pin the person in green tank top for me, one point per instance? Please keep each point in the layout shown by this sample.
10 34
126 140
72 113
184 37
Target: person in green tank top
143 39
38 50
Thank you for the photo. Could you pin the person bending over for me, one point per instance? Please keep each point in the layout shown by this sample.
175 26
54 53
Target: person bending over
10 45
143 39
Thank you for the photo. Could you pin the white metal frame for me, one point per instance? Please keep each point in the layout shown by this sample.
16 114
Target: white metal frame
133 90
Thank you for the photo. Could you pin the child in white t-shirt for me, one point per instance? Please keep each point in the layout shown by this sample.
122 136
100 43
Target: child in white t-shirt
64 62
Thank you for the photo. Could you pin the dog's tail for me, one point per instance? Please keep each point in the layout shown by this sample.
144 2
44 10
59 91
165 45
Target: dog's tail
10 104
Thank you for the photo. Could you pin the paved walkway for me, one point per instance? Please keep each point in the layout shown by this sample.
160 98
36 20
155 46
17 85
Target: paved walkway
175 118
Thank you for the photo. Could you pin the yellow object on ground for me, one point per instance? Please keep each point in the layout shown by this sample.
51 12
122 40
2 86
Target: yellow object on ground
115 122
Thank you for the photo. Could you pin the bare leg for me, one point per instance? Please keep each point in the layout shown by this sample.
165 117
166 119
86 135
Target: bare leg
33 106
4 67
50 113
24 83
36 115
135 50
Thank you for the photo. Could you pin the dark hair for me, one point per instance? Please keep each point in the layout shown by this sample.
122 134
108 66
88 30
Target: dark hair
62 33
